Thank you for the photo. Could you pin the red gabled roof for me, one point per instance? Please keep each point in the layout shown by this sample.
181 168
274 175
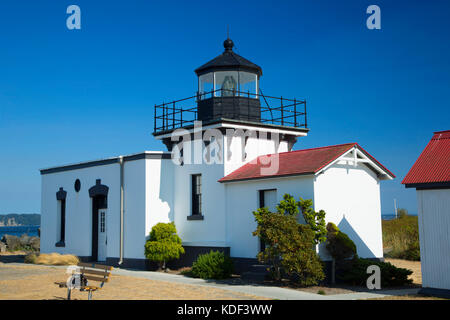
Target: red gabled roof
433 165
308 161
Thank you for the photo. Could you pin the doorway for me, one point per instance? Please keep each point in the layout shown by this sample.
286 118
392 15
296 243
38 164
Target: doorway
99 221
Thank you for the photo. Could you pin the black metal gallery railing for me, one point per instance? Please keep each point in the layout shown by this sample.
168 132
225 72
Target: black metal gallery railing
274 110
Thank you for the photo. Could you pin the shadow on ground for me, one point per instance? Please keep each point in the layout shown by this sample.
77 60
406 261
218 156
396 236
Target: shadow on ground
12 258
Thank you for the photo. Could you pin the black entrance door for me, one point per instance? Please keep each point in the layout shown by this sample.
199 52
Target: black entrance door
98 202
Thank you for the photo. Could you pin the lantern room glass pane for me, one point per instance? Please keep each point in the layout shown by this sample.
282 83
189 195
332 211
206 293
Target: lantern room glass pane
205 85
248 84
227 82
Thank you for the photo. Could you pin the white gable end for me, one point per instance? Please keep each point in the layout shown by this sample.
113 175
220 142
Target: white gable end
350 196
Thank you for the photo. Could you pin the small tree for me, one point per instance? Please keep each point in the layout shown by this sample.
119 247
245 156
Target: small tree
289 244
316 220
164 244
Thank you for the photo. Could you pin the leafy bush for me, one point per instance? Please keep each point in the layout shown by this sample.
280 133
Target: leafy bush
212 265
338 244
300 261
290 246
401 237
316 220
164 244
412 252
391 276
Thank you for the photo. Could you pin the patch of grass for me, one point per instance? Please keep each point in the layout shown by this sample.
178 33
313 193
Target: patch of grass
401 236
321 292
54 259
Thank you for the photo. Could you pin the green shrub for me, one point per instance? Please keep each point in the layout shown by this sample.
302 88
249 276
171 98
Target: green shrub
412 252
290 246
212 265
401 238
338 244
391 276
316 220
300 261
164 244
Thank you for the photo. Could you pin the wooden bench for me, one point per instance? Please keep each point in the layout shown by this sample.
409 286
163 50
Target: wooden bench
88 272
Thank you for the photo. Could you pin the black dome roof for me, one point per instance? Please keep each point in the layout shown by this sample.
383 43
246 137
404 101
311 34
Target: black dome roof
229 60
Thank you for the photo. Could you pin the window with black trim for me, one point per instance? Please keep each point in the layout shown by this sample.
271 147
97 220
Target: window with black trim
102 221
196 195
61 218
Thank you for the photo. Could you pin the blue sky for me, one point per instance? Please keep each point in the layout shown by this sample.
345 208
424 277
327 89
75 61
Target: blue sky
74 95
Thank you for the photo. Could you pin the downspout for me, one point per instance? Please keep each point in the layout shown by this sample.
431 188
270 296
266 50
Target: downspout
121 163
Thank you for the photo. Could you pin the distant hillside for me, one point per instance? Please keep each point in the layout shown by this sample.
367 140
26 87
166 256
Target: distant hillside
14 219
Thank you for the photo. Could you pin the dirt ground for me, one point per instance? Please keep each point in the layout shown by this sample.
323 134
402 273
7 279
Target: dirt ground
37 282
411 265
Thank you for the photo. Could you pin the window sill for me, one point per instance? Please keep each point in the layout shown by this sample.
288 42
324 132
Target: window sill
195 217
60 244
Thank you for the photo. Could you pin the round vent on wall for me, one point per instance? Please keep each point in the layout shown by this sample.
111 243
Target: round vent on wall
77 185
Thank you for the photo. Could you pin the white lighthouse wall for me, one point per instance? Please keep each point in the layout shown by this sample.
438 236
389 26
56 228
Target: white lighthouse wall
159 192
253 148
134 211
211 231
350 197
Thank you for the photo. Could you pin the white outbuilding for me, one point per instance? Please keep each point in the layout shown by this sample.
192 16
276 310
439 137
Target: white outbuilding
430 175
228 155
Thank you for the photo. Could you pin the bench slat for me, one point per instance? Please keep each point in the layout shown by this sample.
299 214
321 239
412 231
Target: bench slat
97 272
94 266
93 278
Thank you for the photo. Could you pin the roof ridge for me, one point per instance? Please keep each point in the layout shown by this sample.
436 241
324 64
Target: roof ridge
444 131
439 138
309 149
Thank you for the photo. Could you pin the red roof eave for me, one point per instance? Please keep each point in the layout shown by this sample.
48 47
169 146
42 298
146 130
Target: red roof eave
300 162
433 164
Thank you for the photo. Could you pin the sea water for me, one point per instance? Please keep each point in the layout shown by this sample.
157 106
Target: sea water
32 231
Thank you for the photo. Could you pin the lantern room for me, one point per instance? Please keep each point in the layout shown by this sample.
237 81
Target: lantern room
228 87
228 75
